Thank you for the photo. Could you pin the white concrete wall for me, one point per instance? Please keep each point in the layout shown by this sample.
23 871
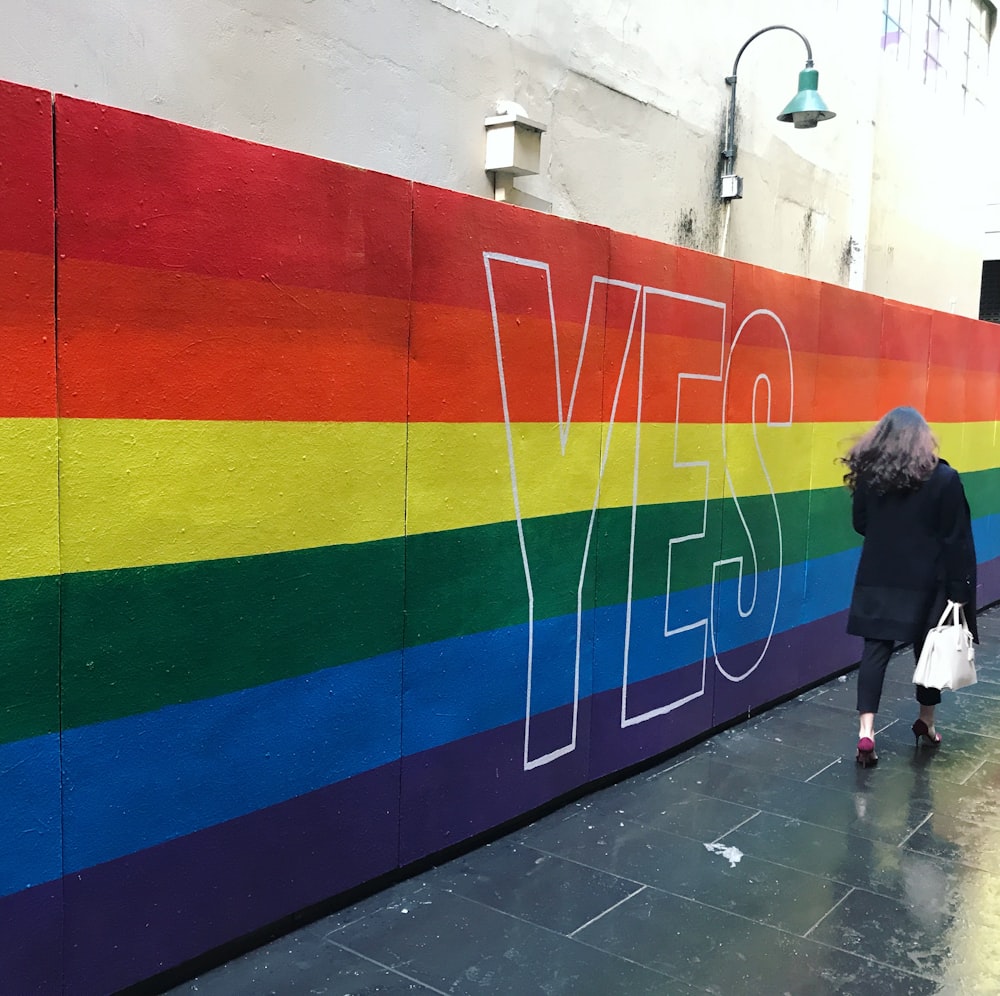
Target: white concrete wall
992 221
928 199
633 97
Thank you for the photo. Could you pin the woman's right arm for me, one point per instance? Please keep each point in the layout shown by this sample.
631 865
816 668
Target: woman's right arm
859 510
957 544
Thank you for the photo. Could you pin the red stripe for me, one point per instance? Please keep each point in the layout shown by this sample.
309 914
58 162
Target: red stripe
139 190
451 232
26 197
906 332
960 350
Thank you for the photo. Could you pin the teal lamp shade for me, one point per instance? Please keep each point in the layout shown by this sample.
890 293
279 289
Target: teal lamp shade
806 109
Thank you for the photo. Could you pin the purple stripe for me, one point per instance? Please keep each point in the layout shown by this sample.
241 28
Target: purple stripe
31 940
453 792
134 917
613 748
794 659
988 577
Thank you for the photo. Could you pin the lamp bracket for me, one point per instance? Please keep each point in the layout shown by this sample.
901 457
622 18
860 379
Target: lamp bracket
731 186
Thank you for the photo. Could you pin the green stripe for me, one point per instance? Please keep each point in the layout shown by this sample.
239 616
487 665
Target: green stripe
483 587
138 639
982 488
29 658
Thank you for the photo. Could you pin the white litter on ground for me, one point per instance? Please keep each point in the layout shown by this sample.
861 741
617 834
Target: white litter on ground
732 854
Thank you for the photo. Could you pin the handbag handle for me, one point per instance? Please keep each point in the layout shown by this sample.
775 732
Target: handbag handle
956 611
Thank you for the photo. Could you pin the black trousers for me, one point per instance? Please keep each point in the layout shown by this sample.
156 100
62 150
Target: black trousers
871 675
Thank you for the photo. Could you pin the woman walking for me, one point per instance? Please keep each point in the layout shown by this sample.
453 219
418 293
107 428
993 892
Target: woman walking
918 551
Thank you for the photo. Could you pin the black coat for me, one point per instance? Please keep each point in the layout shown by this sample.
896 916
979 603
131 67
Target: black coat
918 551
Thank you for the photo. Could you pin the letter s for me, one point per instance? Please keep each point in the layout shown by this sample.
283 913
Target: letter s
760 362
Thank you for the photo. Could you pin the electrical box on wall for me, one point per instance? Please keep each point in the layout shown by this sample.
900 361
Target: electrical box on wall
730 186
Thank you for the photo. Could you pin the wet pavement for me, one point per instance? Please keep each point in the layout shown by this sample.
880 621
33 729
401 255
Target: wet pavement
763 860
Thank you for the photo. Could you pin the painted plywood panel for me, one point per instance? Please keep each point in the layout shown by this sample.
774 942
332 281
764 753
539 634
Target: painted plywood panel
661 537
778 448
233 349
905 356
504 471
30 826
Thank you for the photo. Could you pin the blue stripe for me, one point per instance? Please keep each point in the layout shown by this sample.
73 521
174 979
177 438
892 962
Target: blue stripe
140 780
986 531
30 825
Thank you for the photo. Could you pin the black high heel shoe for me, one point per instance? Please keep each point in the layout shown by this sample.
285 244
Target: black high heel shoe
867 757
922 733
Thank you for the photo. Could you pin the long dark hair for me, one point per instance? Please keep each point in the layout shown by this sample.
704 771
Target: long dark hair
895 454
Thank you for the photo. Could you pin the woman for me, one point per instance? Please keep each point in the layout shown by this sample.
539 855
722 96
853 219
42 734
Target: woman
918 551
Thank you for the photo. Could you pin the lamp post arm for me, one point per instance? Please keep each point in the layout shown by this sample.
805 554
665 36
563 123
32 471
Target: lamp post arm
774 27
729 150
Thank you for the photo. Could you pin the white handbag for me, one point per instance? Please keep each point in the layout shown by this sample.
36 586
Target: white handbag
948 657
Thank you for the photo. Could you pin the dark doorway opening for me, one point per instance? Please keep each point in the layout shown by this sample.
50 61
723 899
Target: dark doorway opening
989 295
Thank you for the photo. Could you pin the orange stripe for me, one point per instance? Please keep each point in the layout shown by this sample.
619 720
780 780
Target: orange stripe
454 375
137 343
27 336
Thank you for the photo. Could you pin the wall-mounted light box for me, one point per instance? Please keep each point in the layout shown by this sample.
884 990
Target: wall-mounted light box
513 144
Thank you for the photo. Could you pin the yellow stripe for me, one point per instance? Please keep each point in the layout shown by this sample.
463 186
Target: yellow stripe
146 492
459 475
969 446
29 526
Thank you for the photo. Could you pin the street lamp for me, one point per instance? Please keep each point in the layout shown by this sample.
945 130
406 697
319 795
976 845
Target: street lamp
805 110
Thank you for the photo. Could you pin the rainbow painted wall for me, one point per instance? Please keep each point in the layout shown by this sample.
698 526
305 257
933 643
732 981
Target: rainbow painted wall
345 518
